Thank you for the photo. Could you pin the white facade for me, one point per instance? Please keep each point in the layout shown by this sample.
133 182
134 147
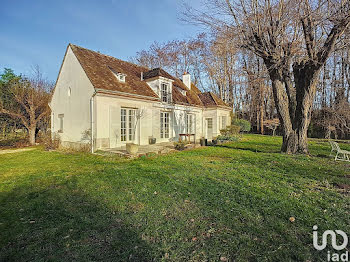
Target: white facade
81 113
70 103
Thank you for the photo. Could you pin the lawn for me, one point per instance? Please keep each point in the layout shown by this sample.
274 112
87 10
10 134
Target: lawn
229 202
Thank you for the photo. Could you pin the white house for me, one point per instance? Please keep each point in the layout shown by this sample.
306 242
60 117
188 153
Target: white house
110 102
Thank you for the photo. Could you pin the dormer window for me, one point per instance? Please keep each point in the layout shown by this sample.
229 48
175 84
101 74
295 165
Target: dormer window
183 92
120 76
165 93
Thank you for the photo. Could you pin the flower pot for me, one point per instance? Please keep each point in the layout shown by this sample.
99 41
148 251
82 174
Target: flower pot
132 148
203 141
152 140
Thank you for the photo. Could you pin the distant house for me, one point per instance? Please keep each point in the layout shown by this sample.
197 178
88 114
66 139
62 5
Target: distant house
110 102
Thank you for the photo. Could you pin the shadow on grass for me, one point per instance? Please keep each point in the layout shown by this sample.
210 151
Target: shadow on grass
56 224
323 156
255 150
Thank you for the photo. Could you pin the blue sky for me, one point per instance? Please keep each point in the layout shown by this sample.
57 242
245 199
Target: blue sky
36 32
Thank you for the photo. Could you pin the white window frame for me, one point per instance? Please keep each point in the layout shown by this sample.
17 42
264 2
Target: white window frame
190 123
164 125
127 124
223 122
121 77
60 119
165 93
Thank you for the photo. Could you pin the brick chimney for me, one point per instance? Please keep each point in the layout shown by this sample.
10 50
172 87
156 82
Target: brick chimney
186 79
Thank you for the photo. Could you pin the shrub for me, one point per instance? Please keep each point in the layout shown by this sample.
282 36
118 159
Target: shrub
228 138
180 145
49 143
21 143
232 130
13 142
244 125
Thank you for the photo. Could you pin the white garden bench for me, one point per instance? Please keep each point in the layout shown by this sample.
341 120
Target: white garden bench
339 153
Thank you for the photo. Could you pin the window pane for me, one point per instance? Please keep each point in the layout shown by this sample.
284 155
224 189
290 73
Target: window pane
131 124
164 92
190 124
166 125
223 122
161 125
123 125
61 124
210 122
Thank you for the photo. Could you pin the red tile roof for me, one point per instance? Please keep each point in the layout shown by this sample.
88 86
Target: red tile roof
100 69
209 99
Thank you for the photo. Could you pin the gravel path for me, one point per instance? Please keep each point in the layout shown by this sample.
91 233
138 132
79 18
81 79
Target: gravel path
9 151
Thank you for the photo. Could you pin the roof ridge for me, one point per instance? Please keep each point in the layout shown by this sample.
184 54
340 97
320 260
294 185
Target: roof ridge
97 52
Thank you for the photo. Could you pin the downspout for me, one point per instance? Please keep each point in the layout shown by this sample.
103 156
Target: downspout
92 121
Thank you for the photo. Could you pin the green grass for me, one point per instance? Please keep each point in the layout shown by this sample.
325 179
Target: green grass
231 201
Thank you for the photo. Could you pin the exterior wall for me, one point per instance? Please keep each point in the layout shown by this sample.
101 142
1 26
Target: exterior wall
215 114
76 106
108 120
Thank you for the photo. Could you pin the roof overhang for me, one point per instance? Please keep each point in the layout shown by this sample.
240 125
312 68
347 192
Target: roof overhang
124 94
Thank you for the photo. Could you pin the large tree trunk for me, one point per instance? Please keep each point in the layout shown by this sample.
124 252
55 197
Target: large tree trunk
295 123
31 133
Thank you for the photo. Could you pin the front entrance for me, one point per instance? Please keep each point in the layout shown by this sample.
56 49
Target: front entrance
209 128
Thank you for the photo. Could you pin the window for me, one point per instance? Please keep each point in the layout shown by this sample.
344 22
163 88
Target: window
191 124
60 118
164 124
120 76
165 93
210 122
183 92
127 124
223 122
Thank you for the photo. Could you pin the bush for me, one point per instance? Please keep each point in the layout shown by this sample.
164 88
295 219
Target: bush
231 133
228 138
49 143
232 130
180 145
13 142
244 125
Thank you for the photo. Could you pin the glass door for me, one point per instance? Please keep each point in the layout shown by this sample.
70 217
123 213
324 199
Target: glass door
127 124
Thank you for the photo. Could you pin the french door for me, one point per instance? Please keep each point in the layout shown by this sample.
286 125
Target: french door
127 124
164 124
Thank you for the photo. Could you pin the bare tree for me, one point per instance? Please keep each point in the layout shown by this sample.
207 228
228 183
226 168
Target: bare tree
176 57
272 124
31 97
294 38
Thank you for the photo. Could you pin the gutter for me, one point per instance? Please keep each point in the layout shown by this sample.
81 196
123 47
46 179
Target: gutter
99 90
